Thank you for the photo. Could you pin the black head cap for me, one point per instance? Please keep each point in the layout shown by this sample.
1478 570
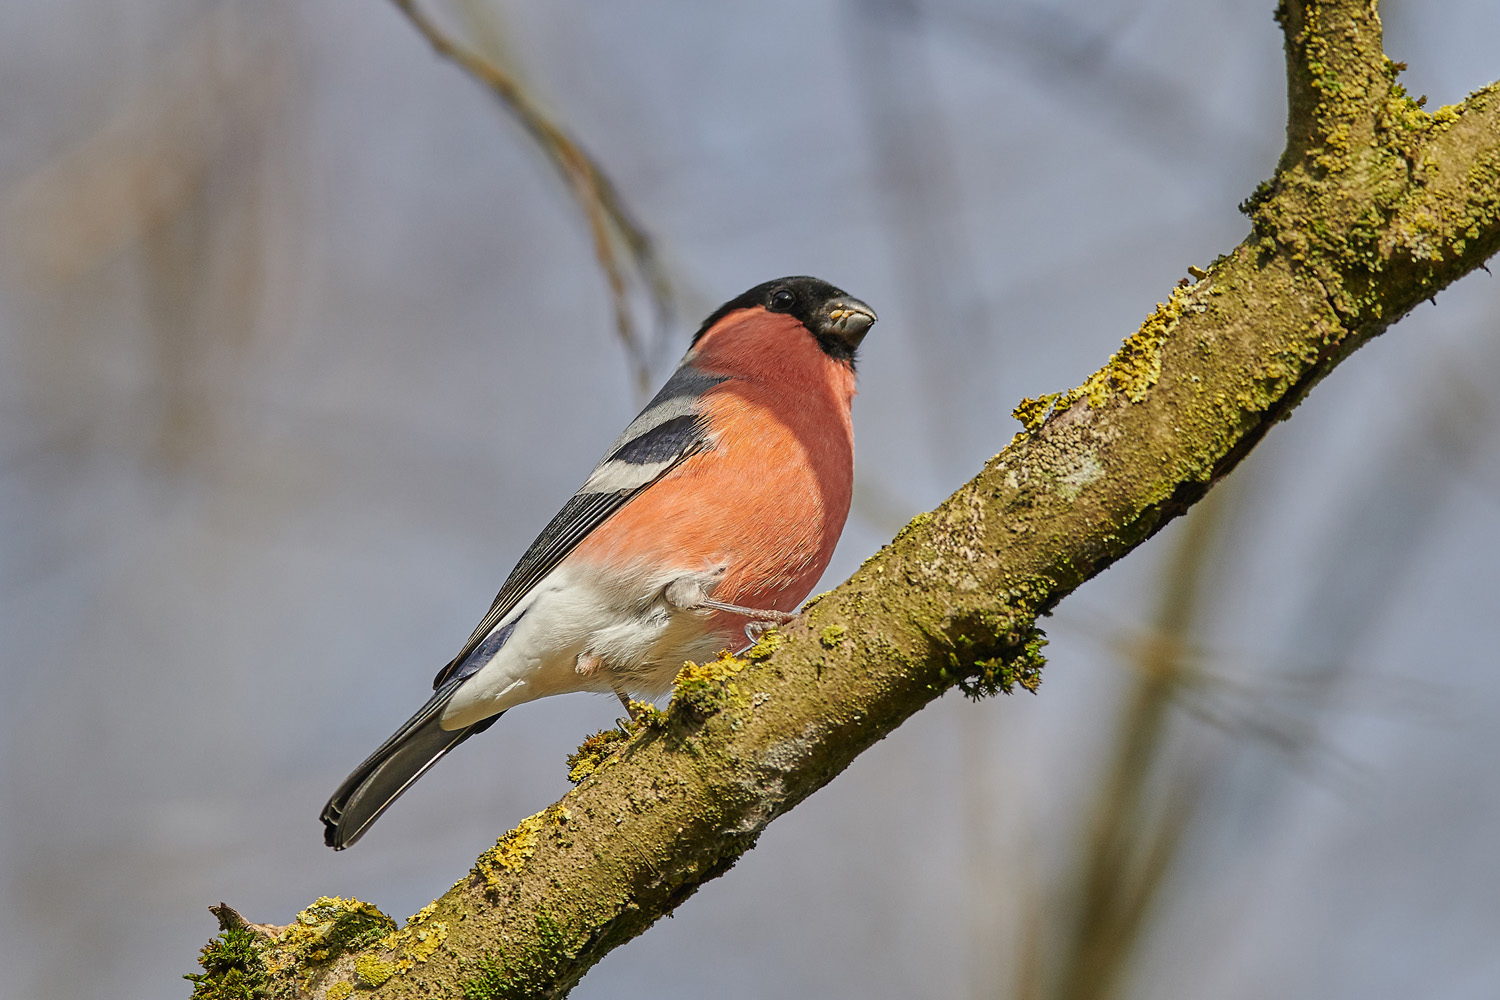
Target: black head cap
838 320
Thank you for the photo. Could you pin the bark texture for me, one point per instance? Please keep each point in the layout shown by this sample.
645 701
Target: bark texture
1375 206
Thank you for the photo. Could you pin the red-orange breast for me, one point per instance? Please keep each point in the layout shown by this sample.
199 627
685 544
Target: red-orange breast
770 494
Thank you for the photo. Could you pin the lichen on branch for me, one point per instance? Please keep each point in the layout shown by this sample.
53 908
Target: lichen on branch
1375 206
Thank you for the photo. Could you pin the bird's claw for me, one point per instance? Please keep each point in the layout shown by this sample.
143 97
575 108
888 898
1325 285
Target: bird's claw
755 629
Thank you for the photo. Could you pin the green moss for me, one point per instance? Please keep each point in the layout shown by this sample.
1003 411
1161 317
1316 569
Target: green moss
233 968
372 971
593 752
1258 197
1002 674
492 980
499 977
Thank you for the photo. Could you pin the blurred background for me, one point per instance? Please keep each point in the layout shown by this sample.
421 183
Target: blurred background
304 335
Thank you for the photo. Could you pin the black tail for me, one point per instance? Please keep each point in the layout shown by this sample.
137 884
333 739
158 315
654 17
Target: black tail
389 771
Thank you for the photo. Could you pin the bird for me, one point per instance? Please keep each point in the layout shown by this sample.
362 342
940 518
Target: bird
711 516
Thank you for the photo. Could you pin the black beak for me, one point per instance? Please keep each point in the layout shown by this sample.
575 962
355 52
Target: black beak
845 319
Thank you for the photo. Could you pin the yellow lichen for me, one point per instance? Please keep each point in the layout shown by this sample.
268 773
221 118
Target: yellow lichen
339 991
1031 412
426 940
373 972
644 714
832 636
332 926
704 688
512 851
593 752
1136 366
768 643
1133 369
413 943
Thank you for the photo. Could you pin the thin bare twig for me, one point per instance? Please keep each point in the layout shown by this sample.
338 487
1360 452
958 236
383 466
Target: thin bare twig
608 219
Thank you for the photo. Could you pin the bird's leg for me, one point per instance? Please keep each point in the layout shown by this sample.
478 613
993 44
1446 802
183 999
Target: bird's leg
624 700
589 664
760 621
755 614
624 724
689 593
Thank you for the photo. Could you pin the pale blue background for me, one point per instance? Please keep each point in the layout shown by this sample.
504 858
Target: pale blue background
246 515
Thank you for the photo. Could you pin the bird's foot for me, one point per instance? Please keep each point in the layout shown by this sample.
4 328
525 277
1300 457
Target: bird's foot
760 620
755 629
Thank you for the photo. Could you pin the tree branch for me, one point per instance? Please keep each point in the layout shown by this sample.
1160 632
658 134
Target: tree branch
1335 72
1376 206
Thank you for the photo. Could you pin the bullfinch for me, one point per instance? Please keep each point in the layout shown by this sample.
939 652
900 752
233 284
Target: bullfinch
716 509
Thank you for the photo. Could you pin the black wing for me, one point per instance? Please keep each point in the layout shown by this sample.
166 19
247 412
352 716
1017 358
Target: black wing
667 432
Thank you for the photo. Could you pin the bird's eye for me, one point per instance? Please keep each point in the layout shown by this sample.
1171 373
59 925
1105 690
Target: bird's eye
782 300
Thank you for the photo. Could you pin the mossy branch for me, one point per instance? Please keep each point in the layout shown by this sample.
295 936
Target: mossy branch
1376 207
1336 74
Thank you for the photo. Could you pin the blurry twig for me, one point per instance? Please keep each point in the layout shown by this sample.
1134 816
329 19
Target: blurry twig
609 220
1374 539
1264 699
1148 798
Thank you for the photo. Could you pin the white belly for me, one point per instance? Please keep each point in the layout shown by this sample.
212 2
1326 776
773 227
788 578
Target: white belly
623 619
